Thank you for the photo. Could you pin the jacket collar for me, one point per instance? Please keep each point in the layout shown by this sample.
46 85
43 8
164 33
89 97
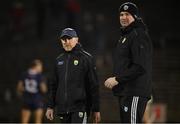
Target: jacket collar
138 23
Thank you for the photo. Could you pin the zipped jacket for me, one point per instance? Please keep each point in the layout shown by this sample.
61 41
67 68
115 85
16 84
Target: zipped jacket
74 85
132 60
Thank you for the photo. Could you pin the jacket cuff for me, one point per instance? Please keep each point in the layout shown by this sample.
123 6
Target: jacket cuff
50 106
118 79
95 108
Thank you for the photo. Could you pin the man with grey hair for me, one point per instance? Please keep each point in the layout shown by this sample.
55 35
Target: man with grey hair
74 88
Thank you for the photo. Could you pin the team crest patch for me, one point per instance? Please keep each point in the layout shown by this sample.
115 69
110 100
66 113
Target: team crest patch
80 114
76 62
125 108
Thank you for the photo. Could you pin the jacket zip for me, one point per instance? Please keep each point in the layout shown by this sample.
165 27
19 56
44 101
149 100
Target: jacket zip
66 76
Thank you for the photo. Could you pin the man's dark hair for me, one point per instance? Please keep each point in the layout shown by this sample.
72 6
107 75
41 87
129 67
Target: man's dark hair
34 63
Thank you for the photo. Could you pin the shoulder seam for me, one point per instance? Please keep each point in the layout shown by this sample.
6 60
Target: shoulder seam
86 53
135 31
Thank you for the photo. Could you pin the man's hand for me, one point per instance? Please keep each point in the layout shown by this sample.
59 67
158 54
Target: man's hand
110 82
50 114
96 117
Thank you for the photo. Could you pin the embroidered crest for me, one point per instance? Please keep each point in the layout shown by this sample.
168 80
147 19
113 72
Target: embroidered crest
76 62
125 108
80 114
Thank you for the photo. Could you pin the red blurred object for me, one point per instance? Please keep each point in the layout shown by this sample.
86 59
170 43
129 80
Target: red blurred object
17 14
73 6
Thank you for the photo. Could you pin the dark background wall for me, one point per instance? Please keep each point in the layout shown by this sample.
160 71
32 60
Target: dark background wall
29 30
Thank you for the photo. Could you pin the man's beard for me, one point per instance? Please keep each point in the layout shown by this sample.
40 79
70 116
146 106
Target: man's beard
124 23
68 48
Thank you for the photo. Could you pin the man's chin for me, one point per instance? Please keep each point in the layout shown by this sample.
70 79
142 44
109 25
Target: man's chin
124 25
68 49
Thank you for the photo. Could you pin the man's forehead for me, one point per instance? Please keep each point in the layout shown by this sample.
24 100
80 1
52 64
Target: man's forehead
124 12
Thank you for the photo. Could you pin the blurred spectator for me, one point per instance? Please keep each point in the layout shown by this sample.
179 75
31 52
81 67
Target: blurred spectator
7 95
17 14
101 33
88 32
41 17
100 39
56 7
31 88
72 8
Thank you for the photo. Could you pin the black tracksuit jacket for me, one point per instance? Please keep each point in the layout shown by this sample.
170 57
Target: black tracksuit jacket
132 59
74 86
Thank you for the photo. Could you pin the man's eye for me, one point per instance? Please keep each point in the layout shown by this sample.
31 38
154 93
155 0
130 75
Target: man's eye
66 38
127 14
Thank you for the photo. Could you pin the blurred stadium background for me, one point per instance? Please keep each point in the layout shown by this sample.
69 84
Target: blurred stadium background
29 29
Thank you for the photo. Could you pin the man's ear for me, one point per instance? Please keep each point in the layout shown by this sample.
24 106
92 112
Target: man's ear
77 39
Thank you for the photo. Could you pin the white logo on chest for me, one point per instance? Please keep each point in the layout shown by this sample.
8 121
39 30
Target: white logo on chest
125 108
60 62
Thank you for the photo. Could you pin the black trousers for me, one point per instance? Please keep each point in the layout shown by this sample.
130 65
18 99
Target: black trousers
132 109
73 117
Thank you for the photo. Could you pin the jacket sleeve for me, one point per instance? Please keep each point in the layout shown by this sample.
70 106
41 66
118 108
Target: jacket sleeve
52 88
92 87
139 51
